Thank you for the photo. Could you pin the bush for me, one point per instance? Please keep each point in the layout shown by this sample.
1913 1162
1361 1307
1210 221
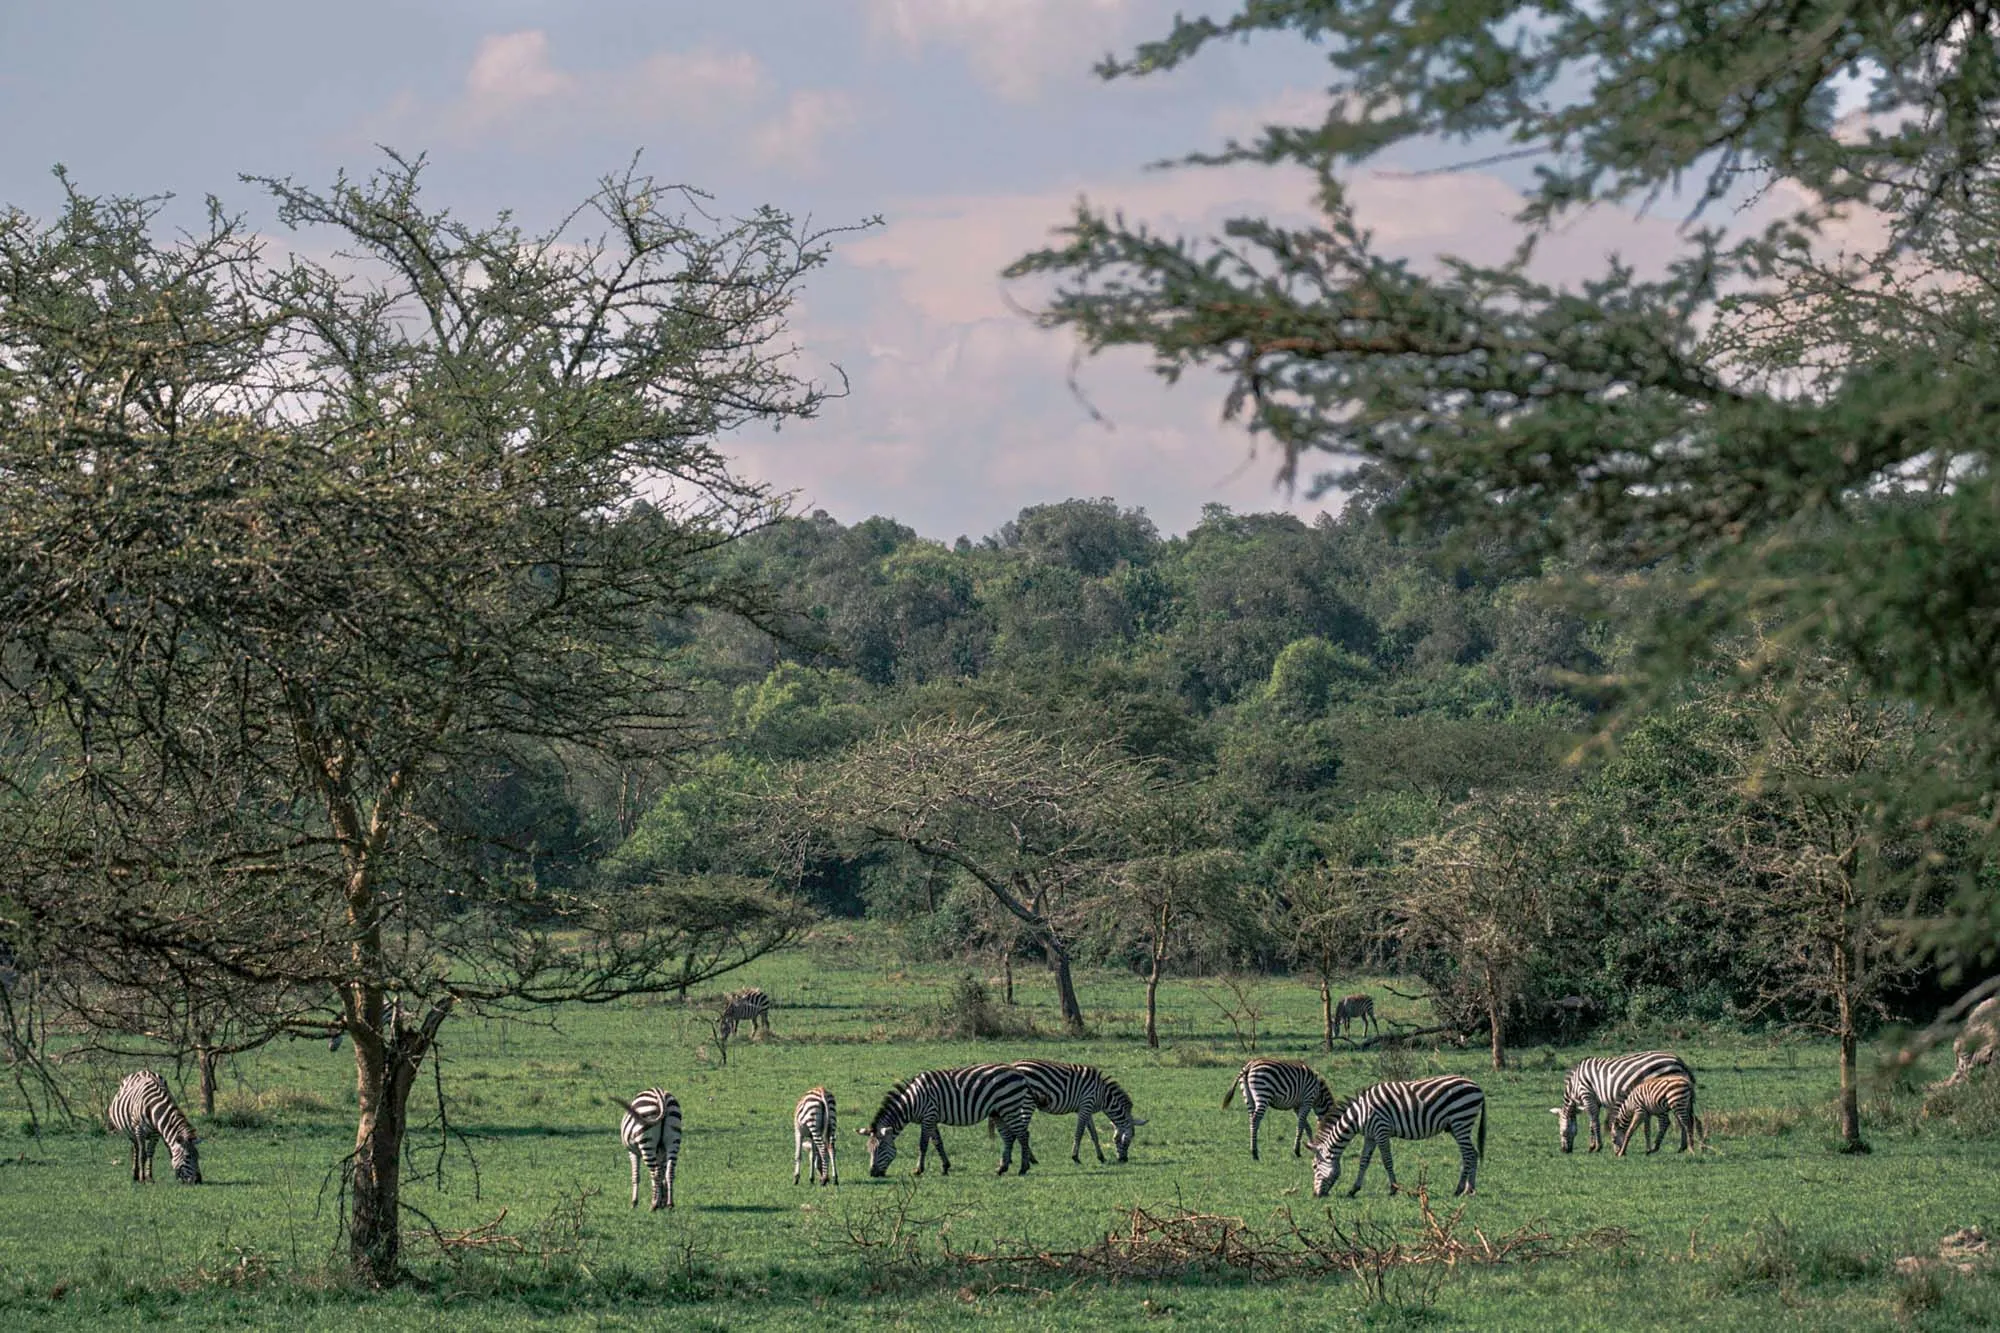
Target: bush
968 1013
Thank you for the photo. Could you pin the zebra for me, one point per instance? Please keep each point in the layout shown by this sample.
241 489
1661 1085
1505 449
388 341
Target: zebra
997 1094
1280 1085
813 1124
1603 1082
143 1111
1658 1097
1062 1088
1447 1104
651 1130
1355 1008
752 1004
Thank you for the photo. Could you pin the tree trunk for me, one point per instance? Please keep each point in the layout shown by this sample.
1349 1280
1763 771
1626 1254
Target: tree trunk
1153 1003
1850 1093
1007 971
204 1060
1326 1012
1072 1012
387 1057
1493 1007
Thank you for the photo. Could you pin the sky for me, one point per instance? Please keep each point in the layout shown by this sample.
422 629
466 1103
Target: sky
971 127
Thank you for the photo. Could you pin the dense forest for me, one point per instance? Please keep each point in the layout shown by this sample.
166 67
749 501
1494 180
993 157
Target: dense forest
1319 744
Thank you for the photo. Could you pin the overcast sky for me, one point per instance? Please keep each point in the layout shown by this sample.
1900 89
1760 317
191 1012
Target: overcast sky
971 126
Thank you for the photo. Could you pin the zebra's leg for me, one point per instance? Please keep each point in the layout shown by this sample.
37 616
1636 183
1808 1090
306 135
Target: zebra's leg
1256 1119
1596 1136
1007 1151
1653 1145
1361 1167
799 1136
1298 1139
135 1158
148 1146
937 1137
1686 1116
1027 1157
667 1182
1468 1160
1389 1165
633 1153
1089 1123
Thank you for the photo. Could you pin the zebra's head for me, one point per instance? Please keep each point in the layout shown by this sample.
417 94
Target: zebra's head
1326 1162
186 1159
881 1138
726 1026
1565 1123
1118 1106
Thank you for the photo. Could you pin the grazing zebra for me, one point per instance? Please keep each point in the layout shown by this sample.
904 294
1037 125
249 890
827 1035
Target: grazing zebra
752 1004
1603 1082
1447 1104
813 1123
1356 1008
998 1094
651 1130
1061 1089
143 1111
1658 1097
1280 1085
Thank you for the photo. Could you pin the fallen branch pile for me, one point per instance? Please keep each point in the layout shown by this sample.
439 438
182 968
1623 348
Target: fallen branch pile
1154 1244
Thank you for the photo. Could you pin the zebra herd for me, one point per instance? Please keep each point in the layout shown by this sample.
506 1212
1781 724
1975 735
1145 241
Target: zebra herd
1634 1091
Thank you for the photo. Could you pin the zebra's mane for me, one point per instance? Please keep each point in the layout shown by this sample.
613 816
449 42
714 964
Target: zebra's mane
890 1100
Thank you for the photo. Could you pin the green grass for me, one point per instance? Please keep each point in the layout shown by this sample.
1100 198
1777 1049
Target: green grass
1767 1228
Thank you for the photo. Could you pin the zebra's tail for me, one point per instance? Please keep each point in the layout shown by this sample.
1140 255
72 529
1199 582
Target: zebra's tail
1482 1131
630 1110
1230 1096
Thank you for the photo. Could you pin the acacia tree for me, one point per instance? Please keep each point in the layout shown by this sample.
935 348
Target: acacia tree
1825 872
285 542
1803 415
1038 823
1479 891
1168 898
1325 915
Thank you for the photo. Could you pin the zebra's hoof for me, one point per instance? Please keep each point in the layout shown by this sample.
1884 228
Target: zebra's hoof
1356 1190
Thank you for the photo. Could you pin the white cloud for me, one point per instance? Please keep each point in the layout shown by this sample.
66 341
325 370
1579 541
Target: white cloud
797 134
509 73
1014 46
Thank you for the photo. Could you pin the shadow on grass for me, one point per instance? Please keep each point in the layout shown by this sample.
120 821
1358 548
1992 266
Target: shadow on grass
743 1208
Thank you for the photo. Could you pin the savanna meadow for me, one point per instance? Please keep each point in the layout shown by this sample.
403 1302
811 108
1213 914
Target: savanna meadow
525 1218
1454 756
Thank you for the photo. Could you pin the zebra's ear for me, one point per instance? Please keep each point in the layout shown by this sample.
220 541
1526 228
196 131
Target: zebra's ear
1137 1122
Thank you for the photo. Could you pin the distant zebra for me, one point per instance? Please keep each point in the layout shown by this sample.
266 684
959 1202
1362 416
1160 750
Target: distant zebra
997 1093
143 1111
1657 1098
1280 1085
1061 1089
1356 1008
1447 1104
651 1130
752 1004
1603 1082
813 1125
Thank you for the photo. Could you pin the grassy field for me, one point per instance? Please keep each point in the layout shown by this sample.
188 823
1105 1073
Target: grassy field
1767 1228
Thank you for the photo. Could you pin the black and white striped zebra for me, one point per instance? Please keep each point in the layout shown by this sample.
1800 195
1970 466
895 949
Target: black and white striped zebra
1359 1009
813 1126
1603 1081
1063 1089
1280 1085
998 1094
1447 1104
651 1131
1661 1097
143 1111
753 1006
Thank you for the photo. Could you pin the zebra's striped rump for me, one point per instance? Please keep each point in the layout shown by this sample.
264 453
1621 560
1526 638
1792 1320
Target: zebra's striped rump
1281 1085
1660 1097
964 1096
1418 1109
143 1111
651 1131
1604 1082
813 1125
1081 1090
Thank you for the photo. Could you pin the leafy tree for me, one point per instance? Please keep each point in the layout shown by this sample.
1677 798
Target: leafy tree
1038 823
1803 415
284 545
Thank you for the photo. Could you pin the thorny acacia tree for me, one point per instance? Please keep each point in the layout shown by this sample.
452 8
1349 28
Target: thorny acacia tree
283 541
1745 414
1824 873
1039 823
